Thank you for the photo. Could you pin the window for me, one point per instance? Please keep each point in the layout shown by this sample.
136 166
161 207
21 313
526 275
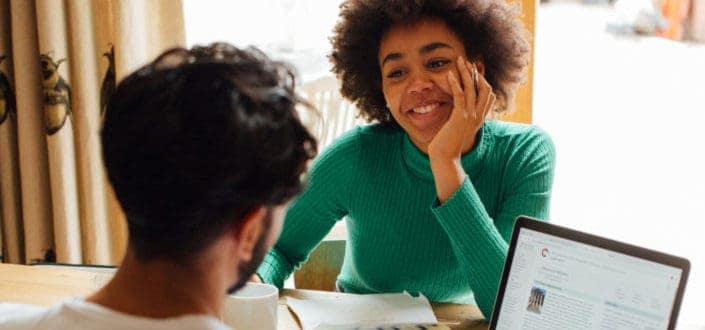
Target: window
292 30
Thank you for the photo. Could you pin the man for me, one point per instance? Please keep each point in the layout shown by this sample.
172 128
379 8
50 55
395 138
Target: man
202 147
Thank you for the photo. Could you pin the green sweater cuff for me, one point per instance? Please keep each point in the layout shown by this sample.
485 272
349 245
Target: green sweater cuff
274 269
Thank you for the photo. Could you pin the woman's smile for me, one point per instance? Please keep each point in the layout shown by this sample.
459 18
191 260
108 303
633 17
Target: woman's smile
429 116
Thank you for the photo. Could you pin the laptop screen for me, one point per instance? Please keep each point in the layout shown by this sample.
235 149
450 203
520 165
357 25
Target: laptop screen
558 283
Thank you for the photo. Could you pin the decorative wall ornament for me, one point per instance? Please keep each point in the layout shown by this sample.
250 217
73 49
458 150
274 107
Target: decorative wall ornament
8 105
107 87
57 94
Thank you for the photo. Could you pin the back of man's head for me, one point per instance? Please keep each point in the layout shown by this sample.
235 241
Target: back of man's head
197 139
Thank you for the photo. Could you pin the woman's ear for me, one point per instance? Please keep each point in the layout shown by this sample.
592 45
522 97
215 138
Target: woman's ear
247 232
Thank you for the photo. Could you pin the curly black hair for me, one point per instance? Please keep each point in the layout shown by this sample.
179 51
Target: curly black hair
489 29
198 138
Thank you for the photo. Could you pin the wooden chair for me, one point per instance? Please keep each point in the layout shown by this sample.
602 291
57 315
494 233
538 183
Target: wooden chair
323 266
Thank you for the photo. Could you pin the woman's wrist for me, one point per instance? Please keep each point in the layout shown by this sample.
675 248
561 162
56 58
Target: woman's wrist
448 175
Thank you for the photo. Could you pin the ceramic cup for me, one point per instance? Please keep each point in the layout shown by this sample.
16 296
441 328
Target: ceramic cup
252 307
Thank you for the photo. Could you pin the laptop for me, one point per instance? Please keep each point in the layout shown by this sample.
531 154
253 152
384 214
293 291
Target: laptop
558 278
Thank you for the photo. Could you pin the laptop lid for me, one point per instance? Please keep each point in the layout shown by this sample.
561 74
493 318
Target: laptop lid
558 278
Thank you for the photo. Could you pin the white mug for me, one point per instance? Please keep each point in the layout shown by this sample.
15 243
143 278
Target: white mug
252 307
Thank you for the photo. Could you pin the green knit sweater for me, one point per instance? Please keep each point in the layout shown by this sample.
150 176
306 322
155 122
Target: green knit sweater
399 237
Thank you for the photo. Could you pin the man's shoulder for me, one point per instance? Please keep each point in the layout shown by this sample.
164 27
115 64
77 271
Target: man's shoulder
20 316
78 314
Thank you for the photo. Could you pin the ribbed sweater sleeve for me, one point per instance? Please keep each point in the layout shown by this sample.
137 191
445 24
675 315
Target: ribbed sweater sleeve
480 242
313 213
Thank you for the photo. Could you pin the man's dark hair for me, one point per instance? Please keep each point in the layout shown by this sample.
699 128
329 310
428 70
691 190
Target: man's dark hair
198 138
489 29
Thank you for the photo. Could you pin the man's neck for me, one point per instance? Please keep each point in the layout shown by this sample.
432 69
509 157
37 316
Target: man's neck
162 289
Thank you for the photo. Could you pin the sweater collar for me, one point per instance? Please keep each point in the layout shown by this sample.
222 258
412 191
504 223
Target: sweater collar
472 161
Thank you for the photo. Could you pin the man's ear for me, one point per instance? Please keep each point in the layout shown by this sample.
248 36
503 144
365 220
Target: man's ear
247 232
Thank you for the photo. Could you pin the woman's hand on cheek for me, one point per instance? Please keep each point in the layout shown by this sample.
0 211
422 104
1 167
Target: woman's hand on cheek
470 106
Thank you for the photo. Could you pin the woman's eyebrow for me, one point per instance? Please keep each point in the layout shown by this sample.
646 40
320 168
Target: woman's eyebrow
423 51
433 46
392 57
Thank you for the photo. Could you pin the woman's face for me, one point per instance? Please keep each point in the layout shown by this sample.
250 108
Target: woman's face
414 60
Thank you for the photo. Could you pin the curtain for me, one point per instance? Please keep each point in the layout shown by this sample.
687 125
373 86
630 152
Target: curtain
59 63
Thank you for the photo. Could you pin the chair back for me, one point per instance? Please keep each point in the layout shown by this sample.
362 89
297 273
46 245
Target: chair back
336 114
321 270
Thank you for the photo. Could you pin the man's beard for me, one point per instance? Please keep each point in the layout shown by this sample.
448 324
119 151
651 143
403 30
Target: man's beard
247 268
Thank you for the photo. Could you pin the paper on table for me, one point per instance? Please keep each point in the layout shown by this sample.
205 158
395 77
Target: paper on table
362 310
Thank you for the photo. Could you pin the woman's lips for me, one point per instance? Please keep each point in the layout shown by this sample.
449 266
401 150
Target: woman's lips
428 115
425 108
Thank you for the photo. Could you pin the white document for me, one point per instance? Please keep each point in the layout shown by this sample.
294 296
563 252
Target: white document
362 310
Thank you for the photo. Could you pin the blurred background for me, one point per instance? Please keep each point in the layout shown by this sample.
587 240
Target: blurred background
619 85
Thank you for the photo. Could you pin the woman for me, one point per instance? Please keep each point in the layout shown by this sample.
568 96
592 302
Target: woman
431 191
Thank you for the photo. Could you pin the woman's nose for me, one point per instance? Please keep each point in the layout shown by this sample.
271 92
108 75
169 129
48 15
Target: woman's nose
420 84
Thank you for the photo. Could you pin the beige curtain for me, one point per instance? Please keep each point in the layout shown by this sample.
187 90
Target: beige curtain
59 62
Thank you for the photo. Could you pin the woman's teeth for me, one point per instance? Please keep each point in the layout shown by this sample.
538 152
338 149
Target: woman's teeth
425 108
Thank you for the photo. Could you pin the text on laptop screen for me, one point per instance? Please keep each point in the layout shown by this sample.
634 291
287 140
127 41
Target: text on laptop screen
555 283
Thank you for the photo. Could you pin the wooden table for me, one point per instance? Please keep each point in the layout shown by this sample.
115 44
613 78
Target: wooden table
48 285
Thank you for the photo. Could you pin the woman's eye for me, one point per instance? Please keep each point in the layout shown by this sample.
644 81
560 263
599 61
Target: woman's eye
437 63
394 74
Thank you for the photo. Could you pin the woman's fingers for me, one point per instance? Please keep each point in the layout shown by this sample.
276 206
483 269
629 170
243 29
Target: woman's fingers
467 74
486 97
459 101
483 100
490 104
474 96
475 78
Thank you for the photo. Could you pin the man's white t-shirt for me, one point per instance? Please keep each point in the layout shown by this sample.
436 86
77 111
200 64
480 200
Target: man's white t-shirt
78 314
